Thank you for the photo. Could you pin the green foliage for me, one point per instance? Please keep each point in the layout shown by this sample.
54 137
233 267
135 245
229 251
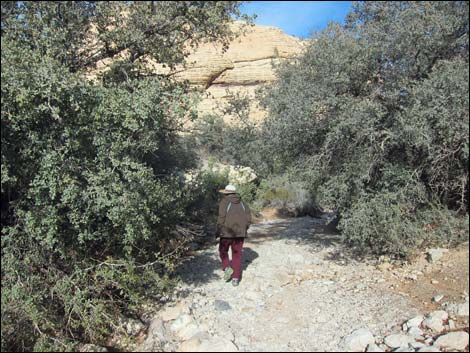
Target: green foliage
286 193
91 191
237 142
85 161
388 223
81 33
202 192
248 192
373 107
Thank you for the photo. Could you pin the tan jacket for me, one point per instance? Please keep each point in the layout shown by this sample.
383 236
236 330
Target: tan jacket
234 217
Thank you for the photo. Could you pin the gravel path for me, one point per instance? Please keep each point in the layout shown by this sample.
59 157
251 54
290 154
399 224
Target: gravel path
298 292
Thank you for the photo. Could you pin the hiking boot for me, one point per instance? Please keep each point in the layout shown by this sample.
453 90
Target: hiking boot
235 282
228 272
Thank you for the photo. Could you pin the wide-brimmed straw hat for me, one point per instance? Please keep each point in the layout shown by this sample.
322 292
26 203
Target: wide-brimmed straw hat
229 189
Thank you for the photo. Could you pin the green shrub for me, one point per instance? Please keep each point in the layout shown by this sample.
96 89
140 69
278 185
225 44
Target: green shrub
235 143
388 114
90 197
381 224
288 195
202 190
388 224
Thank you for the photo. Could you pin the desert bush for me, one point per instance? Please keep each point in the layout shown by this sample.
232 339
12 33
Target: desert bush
203 195
287 194
237 142
388 223
90 190
388 112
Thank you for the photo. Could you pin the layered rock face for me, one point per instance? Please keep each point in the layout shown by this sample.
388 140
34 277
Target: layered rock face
246 65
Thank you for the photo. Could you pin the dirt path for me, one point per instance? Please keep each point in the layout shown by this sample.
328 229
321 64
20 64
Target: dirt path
298 292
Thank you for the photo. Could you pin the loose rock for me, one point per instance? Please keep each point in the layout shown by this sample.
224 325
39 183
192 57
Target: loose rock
453 340
433 324
397 340
217 344
374 348
180 322
358 340
435 254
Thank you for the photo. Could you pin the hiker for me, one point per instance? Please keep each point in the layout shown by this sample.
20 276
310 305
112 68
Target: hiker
232 226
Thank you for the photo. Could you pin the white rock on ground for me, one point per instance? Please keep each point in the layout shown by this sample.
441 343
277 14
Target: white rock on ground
414 322
180 322
173 312
156 336
189 331
358 340
433 324
452 340
434 321
374 348
439 314
429 349
415 332
191 345
217 344
417 345
435 254
397 340
194 343
403 349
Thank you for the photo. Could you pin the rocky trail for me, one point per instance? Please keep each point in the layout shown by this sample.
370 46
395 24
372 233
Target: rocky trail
300 291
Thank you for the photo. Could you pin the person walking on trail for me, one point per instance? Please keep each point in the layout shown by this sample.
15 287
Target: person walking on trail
232 226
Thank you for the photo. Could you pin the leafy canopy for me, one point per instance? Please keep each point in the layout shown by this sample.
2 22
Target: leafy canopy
91 191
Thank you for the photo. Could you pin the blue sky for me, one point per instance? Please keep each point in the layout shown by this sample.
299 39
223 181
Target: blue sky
298 18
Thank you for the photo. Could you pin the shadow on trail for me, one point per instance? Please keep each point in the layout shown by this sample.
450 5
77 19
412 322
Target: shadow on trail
249 255
206 266
308 231
313 233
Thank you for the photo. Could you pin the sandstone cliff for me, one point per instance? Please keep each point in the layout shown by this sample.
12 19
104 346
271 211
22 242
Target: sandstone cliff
242 68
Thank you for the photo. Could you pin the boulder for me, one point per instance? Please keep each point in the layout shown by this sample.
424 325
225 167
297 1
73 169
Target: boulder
434 255
358 340
217 344
414 322
397 340
173 312
452 341
374 348
433 324
156 336
181 322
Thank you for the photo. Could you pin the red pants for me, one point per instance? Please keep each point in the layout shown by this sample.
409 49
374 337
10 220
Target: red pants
237 249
